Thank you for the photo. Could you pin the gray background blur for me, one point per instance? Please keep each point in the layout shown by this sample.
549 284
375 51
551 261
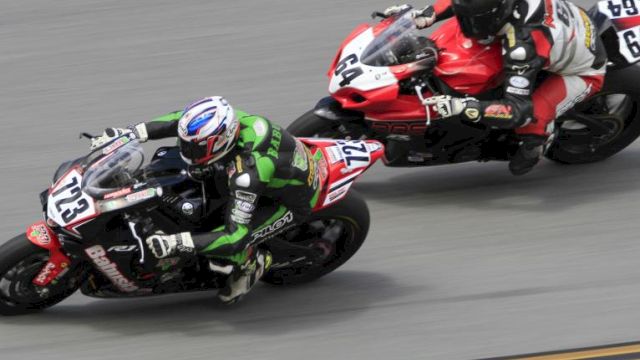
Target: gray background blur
461 262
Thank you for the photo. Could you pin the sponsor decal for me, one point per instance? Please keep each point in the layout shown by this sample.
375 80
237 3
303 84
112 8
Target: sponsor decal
516 91
40 233
337 194
499 112
564 107
300 157
245 206
240 217
313 174
374 146
323 167
123 248
239 168
278 225
519 82
589 35
161 153
116 144
117 194
246 196
110 269
141 195
187 208
335 155
511 36
45 273
276 138
520 69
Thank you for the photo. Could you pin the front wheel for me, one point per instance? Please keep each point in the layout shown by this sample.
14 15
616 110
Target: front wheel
312 125
336 233
20 262
596 129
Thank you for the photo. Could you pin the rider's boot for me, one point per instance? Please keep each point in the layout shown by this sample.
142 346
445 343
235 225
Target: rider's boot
528 154
245 276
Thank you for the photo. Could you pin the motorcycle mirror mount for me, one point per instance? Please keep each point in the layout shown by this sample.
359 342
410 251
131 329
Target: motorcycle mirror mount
379 14
418 89
85 135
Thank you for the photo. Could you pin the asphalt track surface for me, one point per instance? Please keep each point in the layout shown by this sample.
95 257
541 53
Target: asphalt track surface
461 262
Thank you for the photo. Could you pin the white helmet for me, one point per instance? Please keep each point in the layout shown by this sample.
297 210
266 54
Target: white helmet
208 130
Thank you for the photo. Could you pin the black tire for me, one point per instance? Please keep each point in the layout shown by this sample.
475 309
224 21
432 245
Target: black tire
311 125
19 296
561 149
353 212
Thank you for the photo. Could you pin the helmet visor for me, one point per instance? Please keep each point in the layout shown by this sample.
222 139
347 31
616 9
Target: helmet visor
196 153
479 26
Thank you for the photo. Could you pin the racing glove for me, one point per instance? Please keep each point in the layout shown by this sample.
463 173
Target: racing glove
448 106
111 134
163 246
423 18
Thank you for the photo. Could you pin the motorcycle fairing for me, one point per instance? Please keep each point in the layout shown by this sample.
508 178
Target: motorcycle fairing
340 162
41 235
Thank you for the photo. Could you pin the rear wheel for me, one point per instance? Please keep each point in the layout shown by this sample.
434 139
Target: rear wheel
20 262
596 129
336 233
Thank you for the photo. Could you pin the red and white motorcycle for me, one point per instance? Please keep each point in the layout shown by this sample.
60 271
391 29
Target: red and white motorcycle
383 71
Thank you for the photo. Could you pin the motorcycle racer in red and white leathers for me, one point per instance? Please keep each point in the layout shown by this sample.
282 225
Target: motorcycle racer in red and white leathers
553 40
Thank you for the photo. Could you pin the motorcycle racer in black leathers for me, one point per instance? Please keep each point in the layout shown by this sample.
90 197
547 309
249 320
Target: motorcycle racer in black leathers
554 36
261 160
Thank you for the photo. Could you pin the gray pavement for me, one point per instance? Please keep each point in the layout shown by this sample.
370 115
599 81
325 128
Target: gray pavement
462 261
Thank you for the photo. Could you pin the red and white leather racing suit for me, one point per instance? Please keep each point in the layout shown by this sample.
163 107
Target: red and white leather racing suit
554 36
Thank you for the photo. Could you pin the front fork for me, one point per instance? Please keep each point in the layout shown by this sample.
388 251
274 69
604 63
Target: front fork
58 265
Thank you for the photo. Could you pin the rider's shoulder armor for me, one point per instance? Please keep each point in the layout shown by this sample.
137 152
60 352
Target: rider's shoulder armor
255 131
564 34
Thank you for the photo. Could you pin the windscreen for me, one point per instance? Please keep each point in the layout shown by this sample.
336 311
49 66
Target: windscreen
401 43
116 170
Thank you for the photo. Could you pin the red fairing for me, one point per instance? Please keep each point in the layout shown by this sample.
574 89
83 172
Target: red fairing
627 23
465 65
41 235
357 31
340 164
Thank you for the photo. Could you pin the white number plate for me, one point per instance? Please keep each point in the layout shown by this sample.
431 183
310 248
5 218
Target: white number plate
616 9
630 44
67 203
355 154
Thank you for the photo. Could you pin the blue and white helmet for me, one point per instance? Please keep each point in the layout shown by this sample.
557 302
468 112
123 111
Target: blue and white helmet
208 130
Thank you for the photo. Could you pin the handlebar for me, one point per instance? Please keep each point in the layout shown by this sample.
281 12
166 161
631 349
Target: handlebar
379 14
